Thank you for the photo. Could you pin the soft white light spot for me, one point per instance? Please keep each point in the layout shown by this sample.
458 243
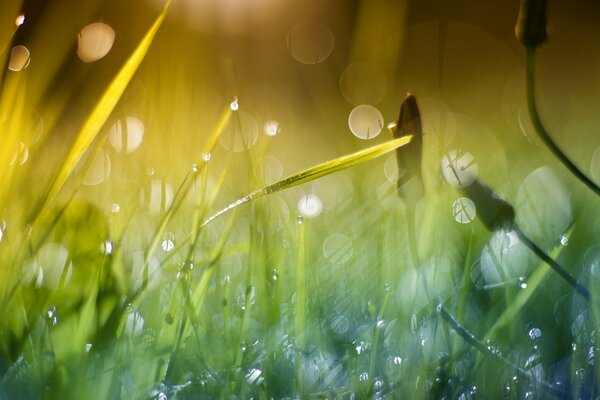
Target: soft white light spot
543 206
106 247
95 41
310 42
19 58
337 248
168 245
459 168
365 121
463 210
20 20
115 208
310 206
126 135
254 377
98 170
271 128
234 105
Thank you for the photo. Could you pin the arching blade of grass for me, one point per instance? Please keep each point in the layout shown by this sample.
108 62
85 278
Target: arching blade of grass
523 296
317 171
104 107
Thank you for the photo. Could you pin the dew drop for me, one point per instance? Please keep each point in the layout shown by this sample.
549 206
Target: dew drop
299 219
234 104
20 20
363 377
150 171
88 347
206 157
168 245
106 247
522 283
535 333
564 240
115 208
254 376
271 128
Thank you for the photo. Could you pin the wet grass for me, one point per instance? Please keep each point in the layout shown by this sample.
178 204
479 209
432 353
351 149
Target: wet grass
225 286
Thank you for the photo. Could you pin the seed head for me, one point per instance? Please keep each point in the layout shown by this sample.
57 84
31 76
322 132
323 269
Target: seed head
531 24
409 156
493 212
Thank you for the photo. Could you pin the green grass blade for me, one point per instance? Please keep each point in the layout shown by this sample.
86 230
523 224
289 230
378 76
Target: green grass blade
104 107
523 296
318 171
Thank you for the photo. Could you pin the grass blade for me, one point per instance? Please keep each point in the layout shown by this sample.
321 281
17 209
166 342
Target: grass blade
318 171
104 108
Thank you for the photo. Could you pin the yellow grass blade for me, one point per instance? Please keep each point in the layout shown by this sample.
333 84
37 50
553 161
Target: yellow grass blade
104 107
318 171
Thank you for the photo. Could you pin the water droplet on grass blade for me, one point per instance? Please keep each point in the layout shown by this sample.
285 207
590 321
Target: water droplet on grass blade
20 20
535 333
168 245
234 105
254 376
271 128
365 122
106 247
21 154
95 41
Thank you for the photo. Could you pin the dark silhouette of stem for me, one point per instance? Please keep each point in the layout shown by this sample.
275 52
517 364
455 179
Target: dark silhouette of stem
579 287
543 133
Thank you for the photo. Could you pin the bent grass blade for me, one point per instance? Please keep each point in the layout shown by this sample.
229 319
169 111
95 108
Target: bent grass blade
317 171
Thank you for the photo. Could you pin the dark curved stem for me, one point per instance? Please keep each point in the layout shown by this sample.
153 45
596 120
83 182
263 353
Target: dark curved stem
579 287
483 349
543 133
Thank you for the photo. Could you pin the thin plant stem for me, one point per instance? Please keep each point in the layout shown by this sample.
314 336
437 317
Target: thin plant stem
300 320
541 130
560 270
482 348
